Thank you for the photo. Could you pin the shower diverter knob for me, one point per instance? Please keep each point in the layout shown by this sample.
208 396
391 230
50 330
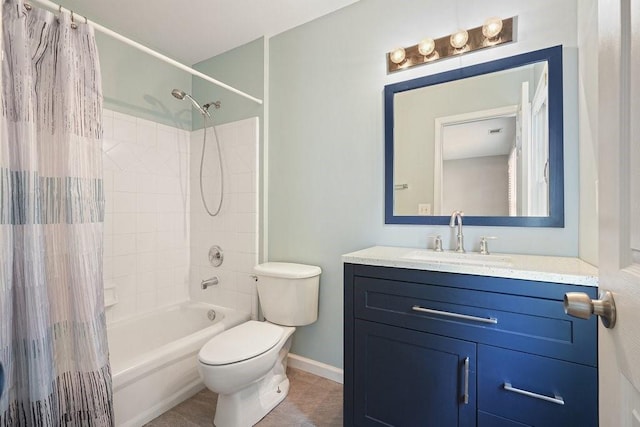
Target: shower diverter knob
216 256
580 305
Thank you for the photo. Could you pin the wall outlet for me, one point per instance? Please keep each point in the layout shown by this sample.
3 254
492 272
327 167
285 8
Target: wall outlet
424 208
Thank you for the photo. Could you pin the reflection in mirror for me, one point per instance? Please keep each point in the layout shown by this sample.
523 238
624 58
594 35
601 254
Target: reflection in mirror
489 144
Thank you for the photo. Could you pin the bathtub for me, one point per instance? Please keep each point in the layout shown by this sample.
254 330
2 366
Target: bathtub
154 357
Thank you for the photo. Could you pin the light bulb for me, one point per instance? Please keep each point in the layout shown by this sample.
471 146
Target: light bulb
426 46
492 27
459 39
397 55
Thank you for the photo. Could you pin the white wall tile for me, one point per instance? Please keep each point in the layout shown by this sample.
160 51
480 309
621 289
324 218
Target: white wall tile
146 262
124 223
124 202
146 169
124 181
124 127
146 242
123 265
157 234
124 244
235 228
146 281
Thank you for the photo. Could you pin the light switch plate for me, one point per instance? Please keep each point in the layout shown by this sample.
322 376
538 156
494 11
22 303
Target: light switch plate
424 208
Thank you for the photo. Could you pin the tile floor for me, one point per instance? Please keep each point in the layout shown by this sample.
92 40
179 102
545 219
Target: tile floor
312 401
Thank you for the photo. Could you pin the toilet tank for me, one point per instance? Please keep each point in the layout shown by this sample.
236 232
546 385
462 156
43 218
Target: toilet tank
288 292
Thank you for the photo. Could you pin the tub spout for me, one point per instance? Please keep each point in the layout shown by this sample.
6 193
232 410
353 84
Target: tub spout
209 282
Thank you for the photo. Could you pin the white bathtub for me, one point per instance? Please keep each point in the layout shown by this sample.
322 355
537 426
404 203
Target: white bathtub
154 358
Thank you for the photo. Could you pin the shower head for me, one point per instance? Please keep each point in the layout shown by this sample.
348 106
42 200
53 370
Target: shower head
180 94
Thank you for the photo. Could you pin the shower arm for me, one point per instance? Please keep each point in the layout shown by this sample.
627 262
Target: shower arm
215 104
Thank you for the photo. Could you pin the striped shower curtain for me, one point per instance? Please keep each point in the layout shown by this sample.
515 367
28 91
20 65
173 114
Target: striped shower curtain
53 342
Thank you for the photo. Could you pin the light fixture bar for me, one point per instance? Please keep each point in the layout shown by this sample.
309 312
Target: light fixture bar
444 49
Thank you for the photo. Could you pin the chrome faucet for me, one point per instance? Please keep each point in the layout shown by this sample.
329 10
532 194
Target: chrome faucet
459 238
209 282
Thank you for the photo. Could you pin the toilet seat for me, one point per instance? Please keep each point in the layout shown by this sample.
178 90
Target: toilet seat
240 343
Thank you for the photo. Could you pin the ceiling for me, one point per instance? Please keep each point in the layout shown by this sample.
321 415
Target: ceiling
480 138
195 30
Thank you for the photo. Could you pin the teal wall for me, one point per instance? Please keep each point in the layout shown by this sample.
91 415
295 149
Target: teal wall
140 85
326 138
241 68
136 83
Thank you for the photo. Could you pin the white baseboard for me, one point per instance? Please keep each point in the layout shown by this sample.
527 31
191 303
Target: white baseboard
317 368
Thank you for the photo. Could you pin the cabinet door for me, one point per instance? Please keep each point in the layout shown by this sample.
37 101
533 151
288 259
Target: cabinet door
408 378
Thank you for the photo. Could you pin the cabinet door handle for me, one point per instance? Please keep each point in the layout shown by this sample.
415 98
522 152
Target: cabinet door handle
465 396
491 320
556 399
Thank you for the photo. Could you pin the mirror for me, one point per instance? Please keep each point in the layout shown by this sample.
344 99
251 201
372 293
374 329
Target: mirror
484 139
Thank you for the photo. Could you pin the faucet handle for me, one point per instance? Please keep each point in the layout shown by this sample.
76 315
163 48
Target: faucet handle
437 242
484 245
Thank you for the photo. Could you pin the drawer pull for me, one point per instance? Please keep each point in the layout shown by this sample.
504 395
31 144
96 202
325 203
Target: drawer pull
556 399
465 397
491 320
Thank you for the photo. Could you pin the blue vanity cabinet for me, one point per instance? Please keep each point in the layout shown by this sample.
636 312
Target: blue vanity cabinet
430 348
393 385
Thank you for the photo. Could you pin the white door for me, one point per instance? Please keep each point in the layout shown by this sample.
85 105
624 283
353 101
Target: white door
523 144
539 149
619 208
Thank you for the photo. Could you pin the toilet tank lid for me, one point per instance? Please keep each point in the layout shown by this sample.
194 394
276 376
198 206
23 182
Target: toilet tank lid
287 270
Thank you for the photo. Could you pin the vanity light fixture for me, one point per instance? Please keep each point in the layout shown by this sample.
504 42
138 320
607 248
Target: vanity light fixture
493 32
397 55
459 39
492 28
426 46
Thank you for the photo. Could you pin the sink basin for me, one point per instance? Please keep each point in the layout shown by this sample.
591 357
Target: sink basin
458 258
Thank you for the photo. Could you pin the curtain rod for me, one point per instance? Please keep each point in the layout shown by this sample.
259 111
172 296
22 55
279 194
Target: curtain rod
56 7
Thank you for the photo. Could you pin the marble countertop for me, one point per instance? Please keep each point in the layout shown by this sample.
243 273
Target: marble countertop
514 266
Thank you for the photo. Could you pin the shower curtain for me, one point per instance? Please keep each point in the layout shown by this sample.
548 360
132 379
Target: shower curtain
52 326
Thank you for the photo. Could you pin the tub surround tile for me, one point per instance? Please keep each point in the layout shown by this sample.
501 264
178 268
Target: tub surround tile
157 235
146 190
235 228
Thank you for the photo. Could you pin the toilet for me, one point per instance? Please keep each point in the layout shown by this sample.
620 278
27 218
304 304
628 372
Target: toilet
247 364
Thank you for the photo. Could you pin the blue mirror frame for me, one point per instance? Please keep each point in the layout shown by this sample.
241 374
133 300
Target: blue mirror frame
553 56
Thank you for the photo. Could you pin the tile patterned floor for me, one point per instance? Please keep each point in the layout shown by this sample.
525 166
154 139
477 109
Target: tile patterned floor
312 402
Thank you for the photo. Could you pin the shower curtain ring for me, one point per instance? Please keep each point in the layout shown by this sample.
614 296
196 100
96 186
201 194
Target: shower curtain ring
73 22
59 9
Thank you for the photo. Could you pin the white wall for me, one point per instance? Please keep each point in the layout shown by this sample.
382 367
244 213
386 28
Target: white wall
326 137
146 173
486 180
235 228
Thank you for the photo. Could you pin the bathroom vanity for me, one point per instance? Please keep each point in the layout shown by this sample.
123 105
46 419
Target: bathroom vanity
459 340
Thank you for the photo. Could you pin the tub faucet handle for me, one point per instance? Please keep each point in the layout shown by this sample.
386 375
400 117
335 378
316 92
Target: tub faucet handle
209 282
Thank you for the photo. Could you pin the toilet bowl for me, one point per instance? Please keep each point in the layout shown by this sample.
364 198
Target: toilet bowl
246 365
